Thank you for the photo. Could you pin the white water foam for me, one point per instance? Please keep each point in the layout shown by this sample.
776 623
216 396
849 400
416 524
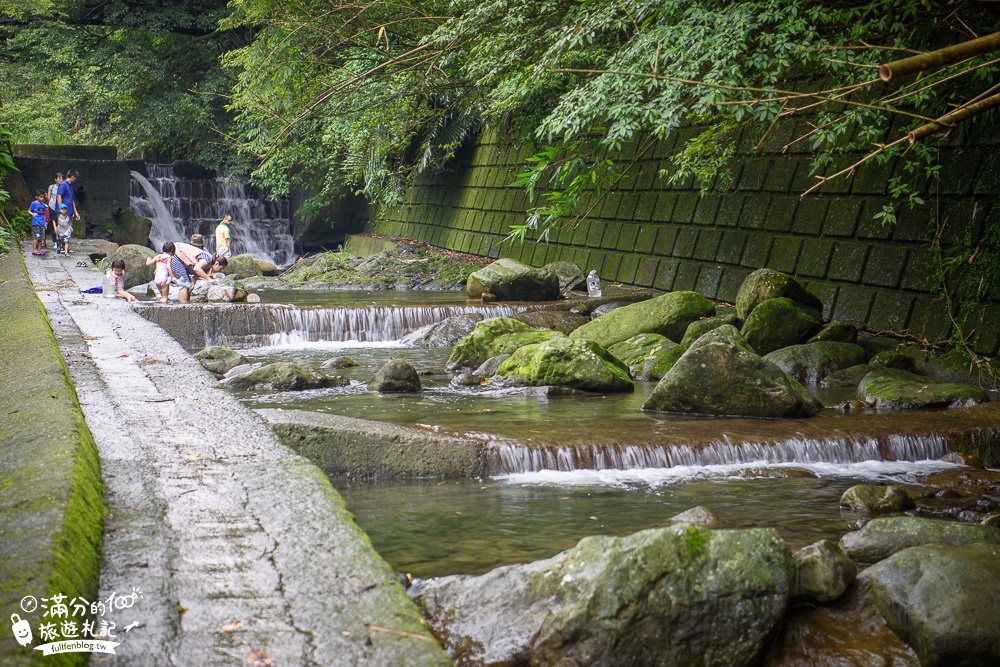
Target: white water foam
293 343
871 471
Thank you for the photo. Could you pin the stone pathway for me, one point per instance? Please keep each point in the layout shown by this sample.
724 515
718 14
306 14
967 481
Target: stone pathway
241 549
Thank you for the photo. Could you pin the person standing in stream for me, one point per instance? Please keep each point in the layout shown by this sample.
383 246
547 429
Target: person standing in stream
223 238
64 194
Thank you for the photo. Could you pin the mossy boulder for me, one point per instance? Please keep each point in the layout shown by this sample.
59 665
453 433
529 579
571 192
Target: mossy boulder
895 389
242 267
944 601
267 268
444 333
395 377
561 362
569 274
220 359
648 356
283 376
508 343
562 321
873 499
668 315
721 375
891 360
822 571
882 537
698 328
475 348
134 256
778 323
339 362
848 377
838 331
765 284
680 595
810 363
509 280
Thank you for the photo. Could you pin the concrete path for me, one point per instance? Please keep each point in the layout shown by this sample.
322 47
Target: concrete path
242 550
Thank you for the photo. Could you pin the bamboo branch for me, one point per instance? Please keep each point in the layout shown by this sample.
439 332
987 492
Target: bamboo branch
823 179
969 49
954 118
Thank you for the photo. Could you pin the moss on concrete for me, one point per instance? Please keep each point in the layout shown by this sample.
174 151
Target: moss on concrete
51 503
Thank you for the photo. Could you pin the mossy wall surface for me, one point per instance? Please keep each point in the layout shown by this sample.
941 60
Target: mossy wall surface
672 237
51 502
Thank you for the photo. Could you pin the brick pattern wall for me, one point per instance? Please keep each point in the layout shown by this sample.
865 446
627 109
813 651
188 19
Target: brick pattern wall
651 234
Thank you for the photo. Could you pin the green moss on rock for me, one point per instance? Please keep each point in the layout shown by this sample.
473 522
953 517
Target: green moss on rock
778 323
668 315
560 362
895 389
474 349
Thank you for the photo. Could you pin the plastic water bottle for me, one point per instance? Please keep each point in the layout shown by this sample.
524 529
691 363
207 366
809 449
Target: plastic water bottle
593 285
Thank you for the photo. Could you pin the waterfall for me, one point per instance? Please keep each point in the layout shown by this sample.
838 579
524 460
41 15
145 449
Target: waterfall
181 207
513 458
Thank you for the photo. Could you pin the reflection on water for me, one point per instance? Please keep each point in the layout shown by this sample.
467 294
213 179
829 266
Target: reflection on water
434 527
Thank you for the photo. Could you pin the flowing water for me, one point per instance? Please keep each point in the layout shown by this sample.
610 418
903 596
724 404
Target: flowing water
585 465
181 207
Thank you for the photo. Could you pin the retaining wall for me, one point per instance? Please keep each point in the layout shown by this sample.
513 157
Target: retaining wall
674 237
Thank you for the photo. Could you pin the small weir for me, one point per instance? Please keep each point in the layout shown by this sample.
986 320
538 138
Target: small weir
259 325
522 459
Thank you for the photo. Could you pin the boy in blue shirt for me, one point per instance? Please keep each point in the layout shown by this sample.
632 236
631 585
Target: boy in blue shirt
38 209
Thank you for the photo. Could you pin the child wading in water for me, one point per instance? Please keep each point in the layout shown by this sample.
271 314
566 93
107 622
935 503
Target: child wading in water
164 275
38 209
64 230
116 275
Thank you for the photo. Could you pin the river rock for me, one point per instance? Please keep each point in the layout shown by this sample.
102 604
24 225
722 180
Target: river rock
973 482
680 596
220 359
283 376
944 601
243 266
508 343
668 315
880 538
509 280
221 294
606 308
562 321
395 377
339 362
134 256
891 360
846 378
467 379
489 367
765 284
570 277
243 368
474 349
961 458
838 331
812 362
876 499
267 268
561 362
895 389
444 333
698 515
721 375
778 323
648 356
822 571
698 328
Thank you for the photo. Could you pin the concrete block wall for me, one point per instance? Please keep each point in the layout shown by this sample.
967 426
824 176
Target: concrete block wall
674 237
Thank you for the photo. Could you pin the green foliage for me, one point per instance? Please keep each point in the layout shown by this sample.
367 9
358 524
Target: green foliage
20 224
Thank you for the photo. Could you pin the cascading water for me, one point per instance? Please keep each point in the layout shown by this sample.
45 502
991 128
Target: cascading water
181 207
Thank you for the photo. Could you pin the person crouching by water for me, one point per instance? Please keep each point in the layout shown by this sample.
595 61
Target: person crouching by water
116 276
198 263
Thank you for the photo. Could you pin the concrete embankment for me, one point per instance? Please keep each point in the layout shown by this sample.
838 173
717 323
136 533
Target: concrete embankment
241 548
51 505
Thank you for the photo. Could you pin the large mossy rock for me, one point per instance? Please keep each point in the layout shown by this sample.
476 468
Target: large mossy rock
721 375
267 268
838 331
680 596
563 321
283 376
895 389
569 274
509 280
561 362
944 601
395 377
822 571
699 328
243 266
880 538
848 377
444 333
812 362
508 343
778 323
220 359
765 284
134 256
668 315
873 499
648 356
474 349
